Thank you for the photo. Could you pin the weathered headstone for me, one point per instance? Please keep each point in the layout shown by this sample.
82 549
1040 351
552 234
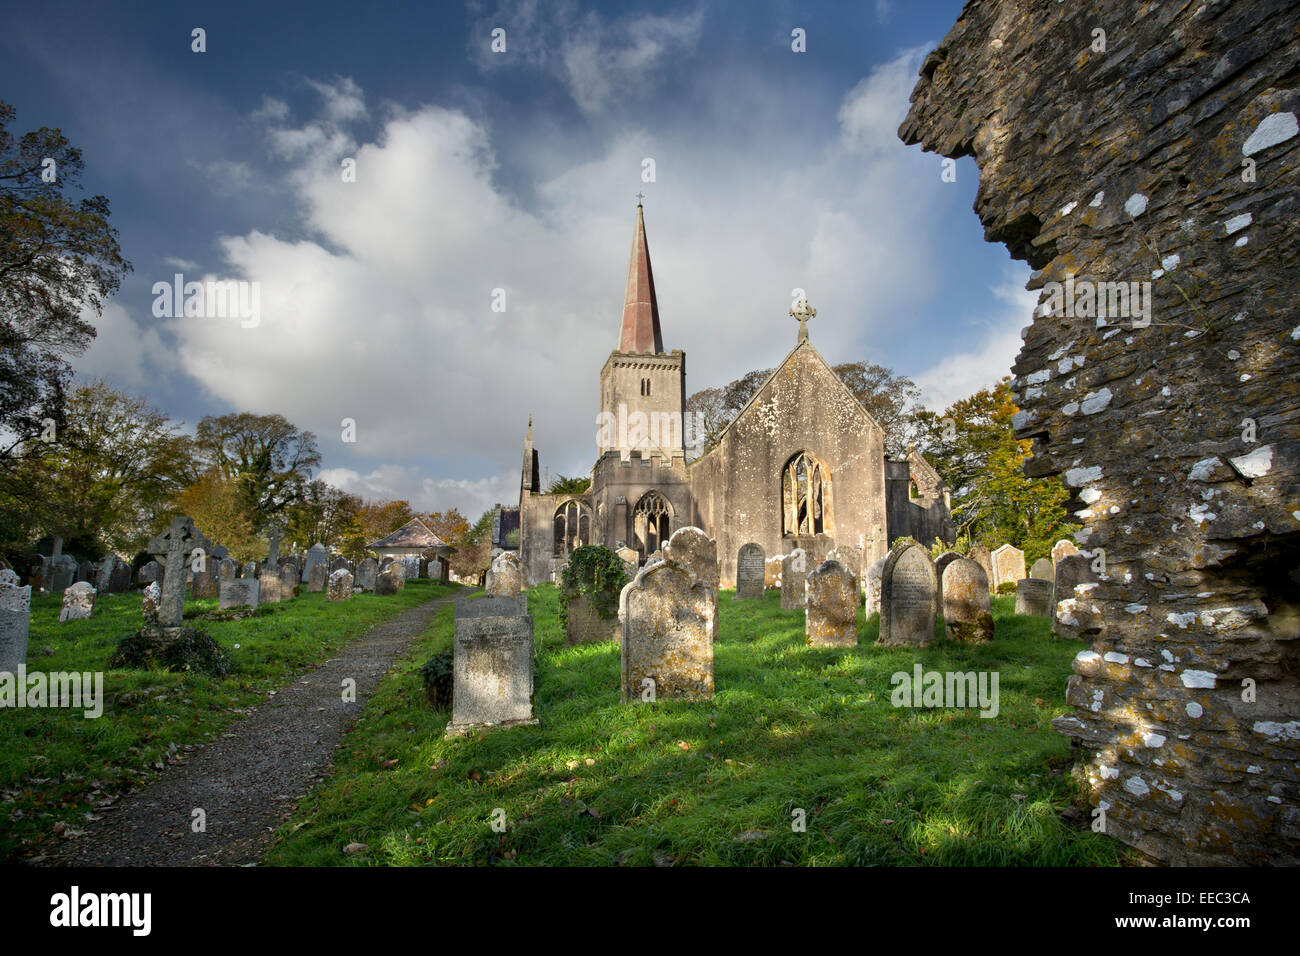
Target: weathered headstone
341 564
631 560
249 570
240 592
268 586
390 580
849 555
410 566
751 567
366 572
340 586
967 610
15 619
506 576
1043 570
206 581
908 595
1034 596
940 565
772 571
871 586
151 604
1073 613
831 617
8 576
288 579
316 577
492 665
63 572
149 573
667 648
178 542
226 570
78 602
1062 549
794 571
436 571
690 548
981 556
1008 565
85 571
316 554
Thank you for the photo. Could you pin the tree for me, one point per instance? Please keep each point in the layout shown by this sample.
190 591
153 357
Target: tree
560 485
973 445
111 475
720 406
269 458
220 511
323 513
474 548
892 400
58 258
451 526
380 518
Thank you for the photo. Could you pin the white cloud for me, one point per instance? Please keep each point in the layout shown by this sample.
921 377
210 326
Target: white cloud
121 351
397 482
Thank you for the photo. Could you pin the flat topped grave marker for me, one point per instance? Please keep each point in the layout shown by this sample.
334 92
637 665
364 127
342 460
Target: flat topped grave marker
492 666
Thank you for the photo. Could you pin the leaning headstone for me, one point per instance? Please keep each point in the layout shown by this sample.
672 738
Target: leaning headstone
794 571
1073 613
967 611
288 580
150 573
241 592
871 586
15 619
317 577
751 566
340 586
667 647
492 666
366 572
981 556
1062 549
78 602
692 549
178 542
1034 596
316 554
1008 565
268 586
390 580
1043 570
505 577
908 594
831 618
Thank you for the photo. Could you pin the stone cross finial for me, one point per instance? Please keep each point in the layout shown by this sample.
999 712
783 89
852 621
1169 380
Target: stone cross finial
273 535
639 197
803 312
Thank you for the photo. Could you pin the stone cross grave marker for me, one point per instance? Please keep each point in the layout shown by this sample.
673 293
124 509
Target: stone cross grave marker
177 544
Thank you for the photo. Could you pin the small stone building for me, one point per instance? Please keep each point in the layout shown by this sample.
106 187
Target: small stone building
414 539
802 466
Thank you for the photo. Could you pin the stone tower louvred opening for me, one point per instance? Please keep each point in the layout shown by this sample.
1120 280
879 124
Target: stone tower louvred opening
1167 163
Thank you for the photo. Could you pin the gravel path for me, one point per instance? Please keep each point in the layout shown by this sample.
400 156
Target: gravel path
250 778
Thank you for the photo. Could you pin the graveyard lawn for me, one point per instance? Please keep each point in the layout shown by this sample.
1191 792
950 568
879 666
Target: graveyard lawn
790 728
59 769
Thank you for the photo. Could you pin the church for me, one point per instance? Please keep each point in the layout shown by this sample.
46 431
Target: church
803 465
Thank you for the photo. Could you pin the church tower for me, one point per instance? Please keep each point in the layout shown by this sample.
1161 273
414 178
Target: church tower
642 388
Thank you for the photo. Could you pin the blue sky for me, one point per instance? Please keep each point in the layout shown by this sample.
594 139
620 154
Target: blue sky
477 171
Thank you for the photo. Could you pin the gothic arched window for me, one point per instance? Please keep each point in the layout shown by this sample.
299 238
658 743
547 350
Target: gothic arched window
651 523
572 527
805 497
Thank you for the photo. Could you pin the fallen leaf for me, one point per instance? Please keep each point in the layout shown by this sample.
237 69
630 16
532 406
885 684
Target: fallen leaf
356 848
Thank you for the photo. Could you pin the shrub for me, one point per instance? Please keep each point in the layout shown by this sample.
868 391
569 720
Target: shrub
1007 587
189 650
595 571
438 676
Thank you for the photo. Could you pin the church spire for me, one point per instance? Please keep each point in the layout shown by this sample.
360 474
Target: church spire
640 332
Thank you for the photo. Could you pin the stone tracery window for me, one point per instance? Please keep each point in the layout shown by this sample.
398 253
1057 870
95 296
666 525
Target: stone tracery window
805 497
572 527
651 523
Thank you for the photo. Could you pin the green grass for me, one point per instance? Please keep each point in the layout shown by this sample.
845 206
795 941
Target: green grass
56 766
716 783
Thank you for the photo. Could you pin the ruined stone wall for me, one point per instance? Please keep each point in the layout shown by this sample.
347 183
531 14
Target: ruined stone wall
1170 157
737 485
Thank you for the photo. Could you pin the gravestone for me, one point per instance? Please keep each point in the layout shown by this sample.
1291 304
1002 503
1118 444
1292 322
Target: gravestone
772 571
268 586
226 570
506 576
492 665
78 602
149 573
151 604
288 580
103 578
1062 549
63 572
15 619
751 568
871 586
206 581
340 564
316 577
981 556
692 549
366 572
1034 596
436 570
667 647
340 586
85 571
794 571
831 617
249 570
178 542
940 565
967 610
908 595
1073 613
1043 570
273 536
1008 565
849 555
631 560
390 580
590 596
239 592
316 554
8 576
410 566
